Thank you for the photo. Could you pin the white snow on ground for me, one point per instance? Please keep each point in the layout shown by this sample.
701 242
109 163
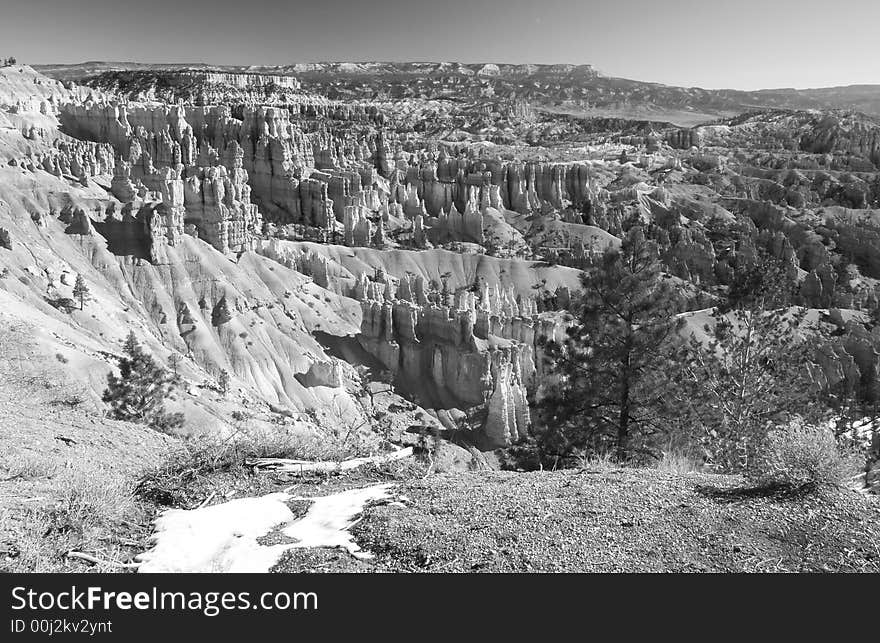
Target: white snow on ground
327 521
223 538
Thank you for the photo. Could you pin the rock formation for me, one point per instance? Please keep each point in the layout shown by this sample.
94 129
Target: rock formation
478 349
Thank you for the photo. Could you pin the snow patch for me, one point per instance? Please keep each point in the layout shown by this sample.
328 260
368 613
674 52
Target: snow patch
328 519
223 538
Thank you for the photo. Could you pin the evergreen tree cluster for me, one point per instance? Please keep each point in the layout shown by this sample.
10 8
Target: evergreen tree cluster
139 392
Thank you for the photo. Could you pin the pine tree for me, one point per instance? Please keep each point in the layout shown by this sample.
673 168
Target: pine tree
224 382
138 393
612 366
765 282
81 291
756 369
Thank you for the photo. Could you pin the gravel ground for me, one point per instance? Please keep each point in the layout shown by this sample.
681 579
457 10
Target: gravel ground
607 520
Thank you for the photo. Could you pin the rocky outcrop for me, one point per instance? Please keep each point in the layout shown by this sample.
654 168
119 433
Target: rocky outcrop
455 226
322 373
164 227
467 349
77 158
507 409
439 181
844 132
165 161
691 255
684 139
307 262
217 202
358 228
221 314
243 80
312 179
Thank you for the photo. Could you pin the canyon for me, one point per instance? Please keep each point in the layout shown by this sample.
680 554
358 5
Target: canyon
317 229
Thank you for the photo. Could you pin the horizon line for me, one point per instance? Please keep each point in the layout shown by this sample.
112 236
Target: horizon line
438 62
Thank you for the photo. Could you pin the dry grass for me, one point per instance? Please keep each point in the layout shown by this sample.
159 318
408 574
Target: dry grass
91 508
26 466
600 462
66 472
678 462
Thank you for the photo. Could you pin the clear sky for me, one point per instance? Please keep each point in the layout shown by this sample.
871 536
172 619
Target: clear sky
742 44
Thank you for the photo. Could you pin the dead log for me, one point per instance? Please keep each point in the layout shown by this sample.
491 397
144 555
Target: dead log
285 465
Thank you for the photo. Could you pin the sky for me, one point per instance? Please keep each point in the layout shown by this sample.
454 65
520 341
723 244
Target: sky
744 44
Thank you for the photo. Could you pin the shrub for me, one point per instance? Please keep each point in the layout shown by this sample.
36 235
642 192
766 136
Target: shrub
540 451
64 304
523 455
241 416
72 400
800 456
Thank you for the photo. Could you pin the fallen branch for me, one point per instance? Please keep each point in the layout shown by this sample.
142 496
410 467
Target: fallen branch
308 466
207 500
99 561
